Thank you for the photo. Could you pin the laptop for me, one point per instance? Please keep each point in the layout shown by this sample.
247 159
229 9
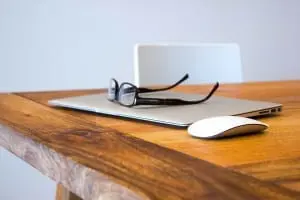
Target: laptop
179 116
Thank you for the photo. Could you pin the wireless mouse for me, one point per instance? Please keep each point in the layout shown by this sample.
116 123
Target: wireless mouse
223 126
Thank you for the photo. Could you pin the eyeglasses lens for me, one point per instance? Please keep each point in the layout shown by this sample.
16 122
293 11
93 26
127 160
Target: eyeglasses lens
112 90
127 94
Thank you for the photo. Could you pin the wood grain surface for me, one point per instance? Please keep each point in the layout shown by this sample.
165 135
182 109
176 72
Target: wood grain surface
285 172
280 141
149 161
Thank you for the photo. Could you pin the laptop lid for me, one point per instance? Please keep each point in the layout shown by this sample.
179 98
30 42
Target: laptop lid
181 116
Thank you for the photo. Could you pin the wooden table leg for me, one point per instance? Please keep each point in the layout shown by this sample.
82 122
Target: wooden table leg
64 194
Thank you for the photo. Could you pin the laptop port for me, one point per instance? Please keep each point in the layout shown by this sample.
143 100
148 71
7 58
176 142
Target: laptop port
264 112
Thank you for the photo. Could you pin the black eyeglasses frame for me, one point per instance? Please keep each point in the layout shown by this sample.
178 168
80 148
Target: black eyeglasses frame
160 101
143 89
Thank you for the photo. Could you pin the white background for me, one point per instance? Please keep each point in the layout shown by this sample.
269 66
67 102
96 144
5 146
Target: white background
64 44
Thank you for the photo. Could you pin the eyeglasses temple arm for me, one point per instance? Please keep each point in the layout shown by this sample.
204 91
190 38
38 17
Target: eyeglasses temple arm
186 76
216 86
159 101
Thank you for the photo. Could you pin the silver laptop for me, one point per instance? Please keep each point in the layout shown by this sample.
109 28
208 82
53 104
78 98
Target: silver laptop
181 116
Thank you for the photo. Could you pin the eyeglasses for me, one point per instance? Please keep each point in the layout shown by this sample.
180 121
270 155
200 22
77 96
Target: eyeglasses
113 89
128 95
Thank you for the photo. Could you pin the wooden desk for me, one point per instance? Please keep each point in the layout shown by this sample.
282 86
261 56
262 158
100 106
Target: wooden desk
102 157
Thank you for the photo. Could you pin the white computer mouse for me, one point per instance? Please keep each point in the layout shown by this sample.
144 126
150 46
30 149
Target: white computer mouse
223 126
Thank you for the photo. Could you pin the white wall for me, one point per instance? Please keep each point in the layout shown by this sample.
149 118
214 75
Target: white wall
60 44
63 44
